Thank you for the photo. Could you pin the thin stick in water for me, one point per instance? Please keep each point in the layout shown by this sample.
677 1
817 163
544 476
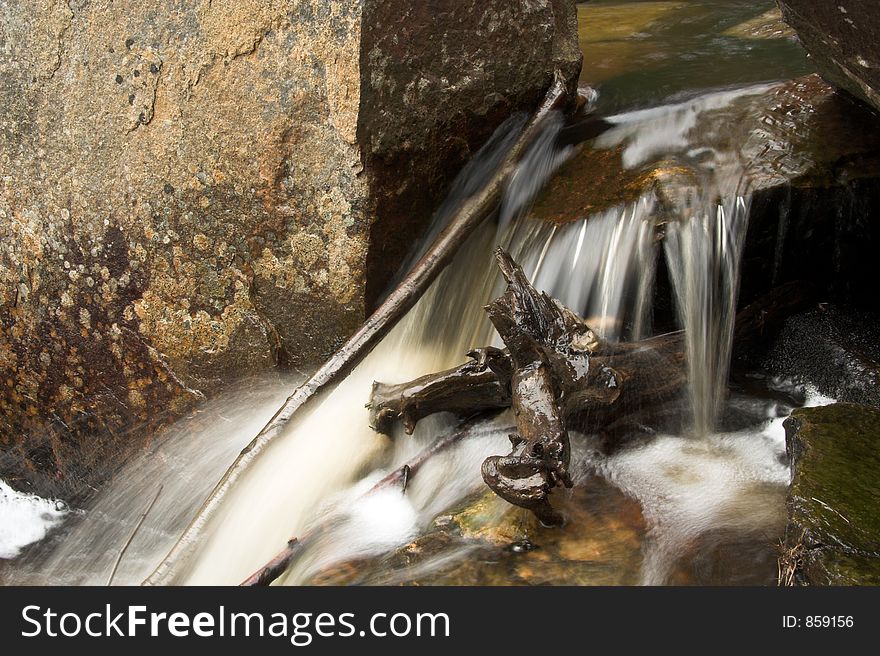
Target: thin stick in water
131 536
283 559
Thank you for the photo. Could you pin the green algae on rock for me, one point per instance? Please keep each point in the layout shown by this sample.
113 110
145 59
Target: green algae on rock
833 532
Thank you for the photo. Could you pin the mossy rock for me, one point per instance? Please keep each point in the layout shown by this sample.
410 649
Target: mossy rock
833 532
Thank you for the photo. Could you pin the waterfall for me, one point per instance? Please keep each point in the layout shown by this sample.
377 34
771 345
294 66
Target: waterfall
706 222
603 266
703 256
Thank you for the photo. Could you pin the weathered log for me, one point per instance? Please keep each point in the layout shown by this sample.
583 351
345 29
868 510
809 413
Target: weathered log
275 567
556 374
653 369
480 384
472 212
548 348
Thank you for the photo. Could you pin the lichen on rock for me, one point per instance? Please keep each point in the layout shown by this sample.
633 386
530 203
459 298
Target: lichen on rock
186 200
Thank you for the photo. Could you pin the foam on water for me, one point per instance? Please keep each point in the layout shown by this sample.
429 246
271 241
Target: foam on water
25 519
688 488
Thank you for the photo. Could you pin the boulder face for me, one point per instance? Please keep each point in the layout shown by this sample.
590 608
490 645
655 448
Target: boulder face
443 74
833 533
841 38
193 192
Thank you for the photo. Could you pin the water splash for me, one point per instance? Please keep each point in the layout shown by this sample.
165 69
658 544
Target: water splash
186 460
727 483
25 519
603 267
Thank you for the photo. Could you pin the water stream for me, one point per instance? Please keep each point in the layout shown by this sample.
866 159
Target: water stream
721 481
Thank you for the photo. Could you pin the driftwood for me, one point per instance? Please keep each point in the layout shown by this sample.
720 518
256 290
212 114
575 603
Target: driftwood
557 374
284 558
472 212
481 384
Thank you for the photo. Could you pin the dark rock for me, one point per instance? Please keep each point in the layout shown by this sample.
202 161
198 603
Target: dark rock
833 349
437 77
833 532
818 182
841 37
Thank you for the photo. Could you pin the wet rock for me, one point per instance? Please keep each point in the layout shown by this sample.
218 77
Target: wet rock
833 533
489 542
449 71
834 349
841 38
196 193
818 181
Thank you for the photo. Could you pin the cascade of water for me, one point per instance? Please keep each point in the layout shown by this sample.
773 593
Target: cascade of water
703 255
601 266
704 235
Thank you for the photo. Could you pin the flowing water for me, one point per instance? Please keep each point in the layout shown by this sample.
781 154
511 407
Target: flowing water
721 481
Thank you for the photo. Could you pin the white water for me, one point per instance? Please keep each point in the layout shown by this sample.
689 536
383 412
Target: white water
25 519
603 267
687 488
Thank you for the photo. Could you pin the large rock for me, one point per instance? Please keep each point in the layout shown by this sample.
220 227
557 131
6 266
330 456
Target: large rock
833 532
834 349
841 37
195 191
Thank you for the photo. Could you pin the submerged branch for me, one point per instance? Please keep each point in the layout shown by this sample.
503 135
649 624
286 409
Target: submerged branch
285 558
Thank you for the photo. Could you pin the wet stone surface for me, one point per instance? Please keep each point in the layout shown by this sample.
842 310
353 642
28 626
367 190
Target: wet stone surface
841 38
489 542
833 532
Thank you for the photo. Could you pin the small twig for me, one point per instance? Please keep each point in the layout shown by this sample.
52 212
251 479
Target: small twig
405 472
131 537
275 567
